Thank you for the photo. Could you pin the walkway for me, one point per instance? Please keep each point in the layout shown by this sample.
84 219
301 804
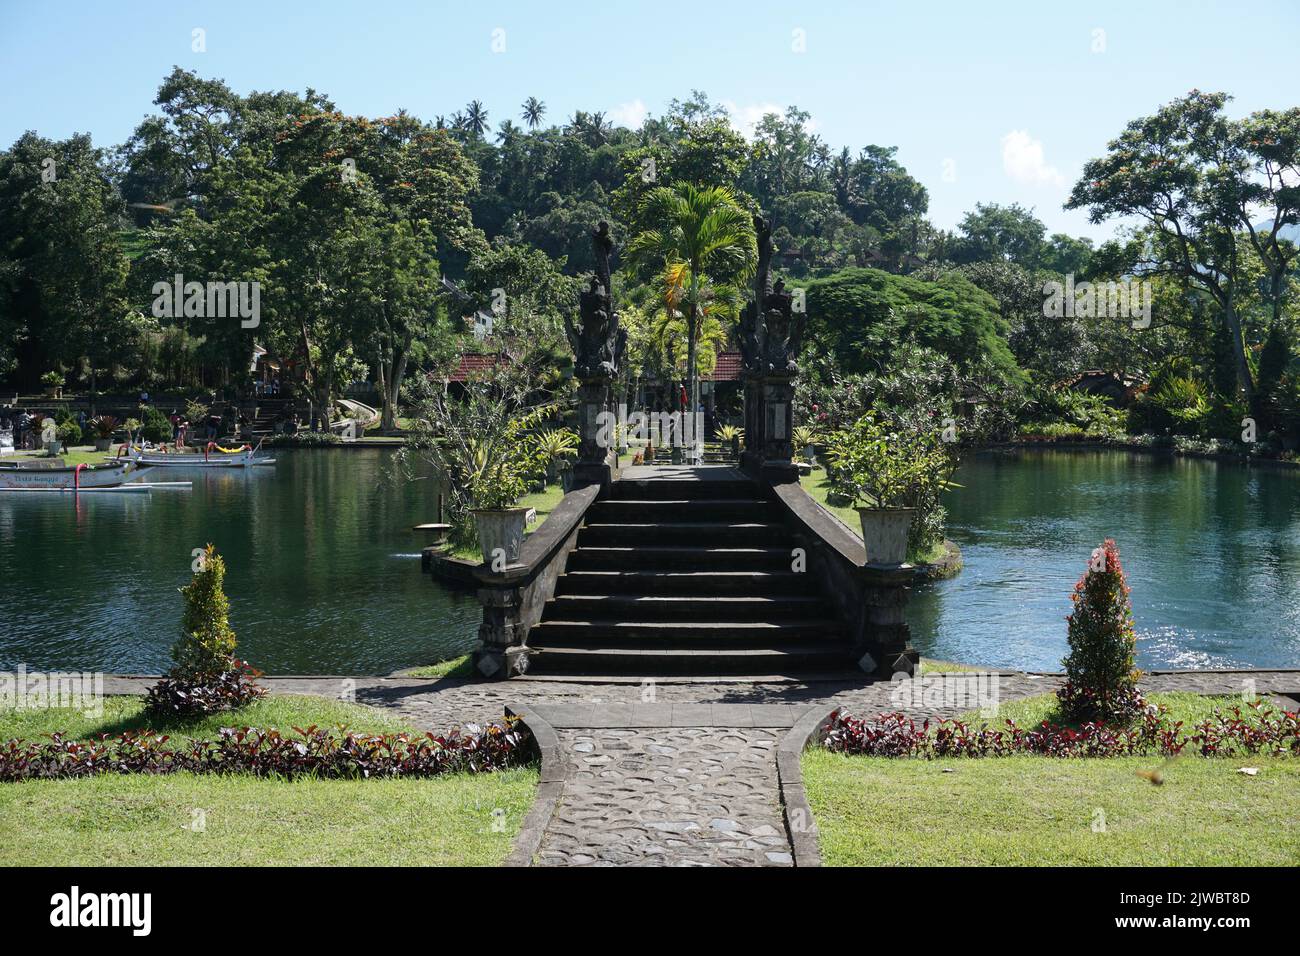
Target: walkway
677 773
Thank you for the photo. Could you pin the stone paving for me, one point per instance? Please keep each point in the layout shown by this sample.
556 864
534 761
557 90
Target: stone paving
683 773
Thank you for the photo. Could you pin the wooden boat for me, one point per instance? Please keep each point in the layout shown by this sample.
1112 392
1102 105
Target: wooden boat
33 474
214 456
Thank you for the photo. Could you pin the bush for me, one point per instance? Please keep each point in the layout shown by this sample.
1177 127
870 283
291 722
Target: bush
207 677
1101 677
155 426
303 440
308 752
52 380
69 433
1263 731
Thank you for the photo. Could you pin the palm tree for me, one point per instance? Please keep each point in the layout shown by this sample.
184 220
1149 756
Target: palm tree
534 110
507 132
703 235
476 118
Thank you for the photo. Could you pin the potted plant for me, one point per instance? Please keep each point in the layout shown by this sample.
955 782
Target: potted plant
68 434
103 427
731 435
805 437
878 470
554 445
53 383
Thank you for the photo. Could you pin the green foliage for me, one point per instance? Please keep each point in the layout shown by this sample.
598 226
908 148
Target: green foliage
155 426
207 643
52 379
104 426
860 316
880 466
69 433
1100 670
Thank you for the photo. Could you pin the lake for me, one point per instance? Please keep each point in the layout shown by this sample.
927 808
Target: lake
1211 550
324 572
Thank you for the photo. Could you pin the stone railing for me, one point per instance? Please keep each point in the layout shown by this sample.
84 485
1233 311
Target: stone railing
513 599
870 598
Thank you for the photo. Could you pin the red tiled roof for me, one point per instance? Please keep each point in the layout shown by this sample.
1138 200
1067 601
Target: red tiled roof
471 363
727 369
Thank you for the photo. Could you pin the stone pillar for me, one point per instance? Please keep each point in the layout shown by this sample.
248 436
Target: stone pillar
883 646
777 414
595 461
751 459
501 634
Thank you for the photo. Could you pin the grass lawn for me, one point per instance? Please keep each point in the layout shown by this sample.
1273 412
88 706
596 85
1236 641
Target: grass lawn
238 820
816 486
1012 811
452 667
544 501
80 455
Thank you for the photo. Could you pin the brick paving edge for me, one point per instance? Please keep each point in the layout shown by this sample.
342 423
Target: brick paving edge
800 825
549 786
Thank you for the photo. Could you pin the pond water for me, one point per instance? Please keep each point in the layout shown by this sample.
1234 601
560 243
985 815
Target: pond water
1211 550
323 571
324 574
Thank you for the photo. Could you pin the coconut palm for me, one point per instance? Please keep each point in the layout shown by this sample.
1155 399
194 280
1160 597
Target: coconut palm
534 110
703 235
476 118
507 133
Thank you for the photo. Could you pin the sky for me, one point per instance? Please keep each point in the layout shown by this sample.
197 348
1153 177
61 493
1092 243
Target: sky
986 102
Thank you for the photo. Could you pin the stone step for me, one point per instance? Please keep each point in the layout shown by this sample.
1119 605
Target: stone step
597 534
646 510
663 635
771 583
677 489
660 607
785 659
654 558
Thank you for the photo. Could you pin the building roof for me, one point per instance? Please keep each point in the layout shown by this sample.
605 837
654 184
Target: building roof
727 369
470 363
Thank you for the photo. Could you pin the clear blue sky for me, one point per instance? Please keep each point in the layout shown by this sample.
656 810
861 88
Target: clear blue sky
1012 94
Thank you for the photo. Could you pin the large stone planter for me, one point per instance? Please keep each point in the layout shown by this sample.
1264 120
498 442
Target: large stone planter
103 444
500 536
54 447
884 532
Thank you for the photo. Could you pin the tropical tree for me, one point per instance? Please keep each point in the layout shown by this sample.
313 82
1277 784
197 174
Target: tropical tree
706 232
476 119
533 111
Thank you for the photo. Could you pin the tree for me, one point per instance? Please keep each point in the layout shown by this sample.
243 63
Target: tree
1183 173
1100 674
705 230
534 110
476 119
64 294
994 233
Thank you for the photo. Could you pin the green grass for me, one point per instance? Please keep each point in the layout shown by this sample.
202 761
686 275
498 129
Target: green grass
544 501
1039 811
929 666
818 489
452 667
123 714
148 821
247 821
1025 810
81 455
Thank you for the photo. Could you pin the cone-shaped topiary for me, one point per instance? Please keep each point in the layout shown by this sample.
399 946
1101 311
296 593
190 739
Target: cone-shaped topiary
1101 677
207 676
207 642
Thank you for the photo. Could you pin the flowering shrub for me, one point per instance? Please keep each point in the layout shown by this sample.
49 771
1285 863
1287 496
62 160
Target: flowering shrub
1101 676
1263 731
313 751
184 696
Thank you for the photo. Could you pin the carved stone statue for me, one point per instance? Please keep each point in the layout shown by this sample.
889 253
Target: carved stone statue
597 352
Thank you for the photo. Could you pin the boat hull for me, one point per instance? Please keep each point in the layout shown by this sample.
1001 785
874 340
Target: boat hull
198 461
91 477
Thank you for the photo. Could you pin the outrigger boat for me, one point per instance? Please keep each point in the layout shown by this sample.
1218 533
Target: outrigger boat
32 475
243 457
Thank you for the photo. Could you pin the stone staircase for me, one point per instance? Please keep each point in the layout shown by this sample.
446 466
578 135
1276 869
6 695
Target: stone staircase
690 577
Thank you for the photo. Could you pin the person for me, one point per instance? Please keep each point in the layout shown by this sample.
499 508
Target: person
175 419
144 397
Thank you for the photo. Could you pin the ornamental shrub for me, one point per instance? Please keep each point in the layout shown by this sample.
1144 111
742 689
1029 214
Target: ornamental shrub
156 426
207 677
1101 676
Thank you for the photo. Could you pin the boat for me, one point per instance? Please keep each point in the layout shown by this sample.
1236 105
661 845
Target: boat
33 474
213 456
